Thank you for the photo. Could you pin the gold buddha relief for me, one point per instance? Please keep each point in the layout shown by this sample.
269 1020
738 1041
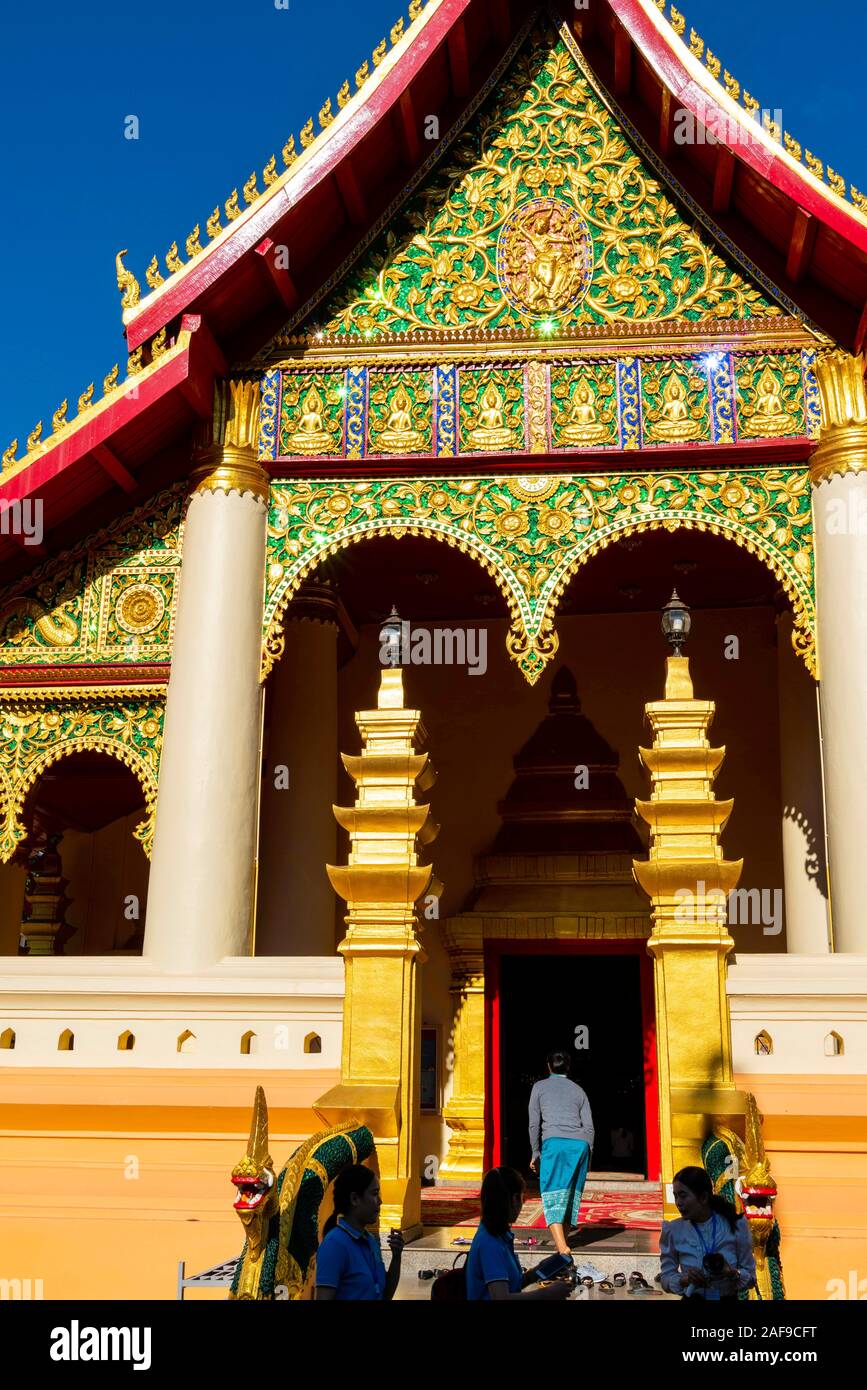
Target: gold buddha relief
489 430
399 434
544 257
585 424
768 414
310 435
673 422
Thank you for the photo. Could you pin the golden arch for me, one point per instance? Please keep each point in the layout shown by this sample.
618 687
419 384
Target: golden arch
532 533
803 608
505 579
12 829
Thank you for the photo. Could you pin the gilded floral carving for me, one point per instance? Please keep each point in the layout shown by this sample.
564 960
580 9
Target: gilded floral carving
533 533
541 207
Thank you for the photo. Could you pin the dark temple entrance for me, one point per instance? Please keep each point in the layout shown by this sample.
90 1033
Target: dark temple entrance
543 1000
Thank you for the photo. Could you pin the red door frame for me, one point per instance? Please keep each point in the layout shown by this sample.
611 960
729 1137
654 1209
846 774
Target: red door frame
494 952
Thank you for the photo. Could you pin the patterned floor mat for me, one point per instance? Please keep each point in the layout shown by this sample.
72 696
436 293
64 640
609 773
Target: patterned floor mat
637 1211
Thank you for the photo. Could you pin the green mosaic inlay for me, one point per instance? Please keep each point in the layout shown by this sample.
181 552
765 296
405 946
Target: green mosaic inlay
541 209
532 533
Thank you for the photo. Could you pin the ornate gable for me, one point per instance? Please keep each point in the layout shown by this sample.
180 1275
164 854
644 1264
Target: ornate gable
545 212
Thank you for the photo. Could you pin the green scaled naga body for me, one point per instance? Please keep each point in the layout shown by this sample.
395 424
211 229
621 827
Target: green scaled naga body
280 1213
740 1172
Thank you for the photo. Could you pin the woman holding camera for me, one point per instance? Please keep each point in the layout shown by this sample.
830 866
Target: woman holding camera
708 1252
493 1269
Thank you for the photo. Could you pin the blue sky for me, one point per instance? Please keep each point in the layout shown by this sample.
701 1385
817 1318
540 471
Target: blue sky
217 85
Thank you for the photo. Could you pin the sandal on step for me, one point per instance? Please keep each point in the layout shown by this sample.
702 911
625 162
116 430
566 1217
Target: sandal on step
638 1281
619 1281
605 1286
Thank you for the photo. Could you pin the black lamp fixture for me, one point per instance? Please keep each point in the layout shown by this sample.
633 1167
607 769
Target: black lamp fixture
390 639
676 621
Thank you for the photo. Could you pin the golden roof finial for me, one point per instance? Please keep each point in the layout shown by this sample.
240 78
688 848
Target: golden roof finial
379 53
250 190
732 86
678 21
696 44
362 74
269 173
133 362
158 344
858 198
814 164
397 32
837 182
326 115
152 274
194 246
173 260
232 209
713 64
85 398
307 133
751 104
290 154
126 283
58 419
9 454
343 95
109 381
34 436
792 145
213 226
415 8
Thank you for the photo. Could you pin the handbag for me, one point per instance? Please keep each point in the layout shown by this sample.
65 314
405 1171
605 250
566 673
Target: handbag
451 1286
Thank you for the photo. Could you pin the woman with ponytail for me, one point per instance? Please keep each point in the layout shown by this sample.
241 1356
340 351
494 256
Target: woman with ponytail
708 1252
493 1269
349 1262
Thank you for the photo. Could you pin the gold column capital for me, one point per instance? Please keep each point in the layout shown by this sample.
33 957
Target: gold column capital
842 446
227 448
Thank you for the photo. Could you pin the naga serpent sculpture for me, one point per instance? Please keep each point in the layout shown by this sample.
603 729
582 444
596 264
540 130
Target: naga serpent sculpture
740 1172
280 1214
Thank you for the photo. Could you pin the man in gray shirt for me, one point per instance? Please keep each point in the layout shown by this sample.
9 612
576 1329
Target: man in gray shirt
561 1138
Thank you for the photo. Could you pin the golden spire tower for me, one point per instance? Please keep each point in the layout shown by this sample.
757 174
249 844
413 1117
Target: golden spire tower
688 881
382 883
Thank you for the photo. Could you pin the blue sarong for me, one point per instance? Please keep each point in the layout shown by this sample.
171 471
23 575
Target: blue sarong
562 1174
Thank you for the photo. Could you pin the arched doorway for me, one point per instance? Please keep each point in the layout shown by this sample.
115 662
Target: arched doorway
86 873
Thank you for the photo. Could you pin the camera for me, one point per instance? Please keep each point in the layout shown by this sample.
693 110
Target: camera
714 1264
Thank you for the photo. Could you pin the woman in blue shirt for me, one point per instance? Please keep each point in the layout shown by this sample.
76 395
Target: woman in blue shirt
708 1252
493 1269
349 1262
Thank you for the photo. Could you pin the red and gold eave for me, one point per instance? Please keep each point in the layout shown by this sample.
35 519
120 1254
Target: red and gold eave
227 303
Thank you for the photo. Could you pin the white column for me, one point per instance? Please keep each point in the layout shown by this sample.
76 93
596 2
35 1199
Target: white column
201 880
839 476
298 834
804 869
